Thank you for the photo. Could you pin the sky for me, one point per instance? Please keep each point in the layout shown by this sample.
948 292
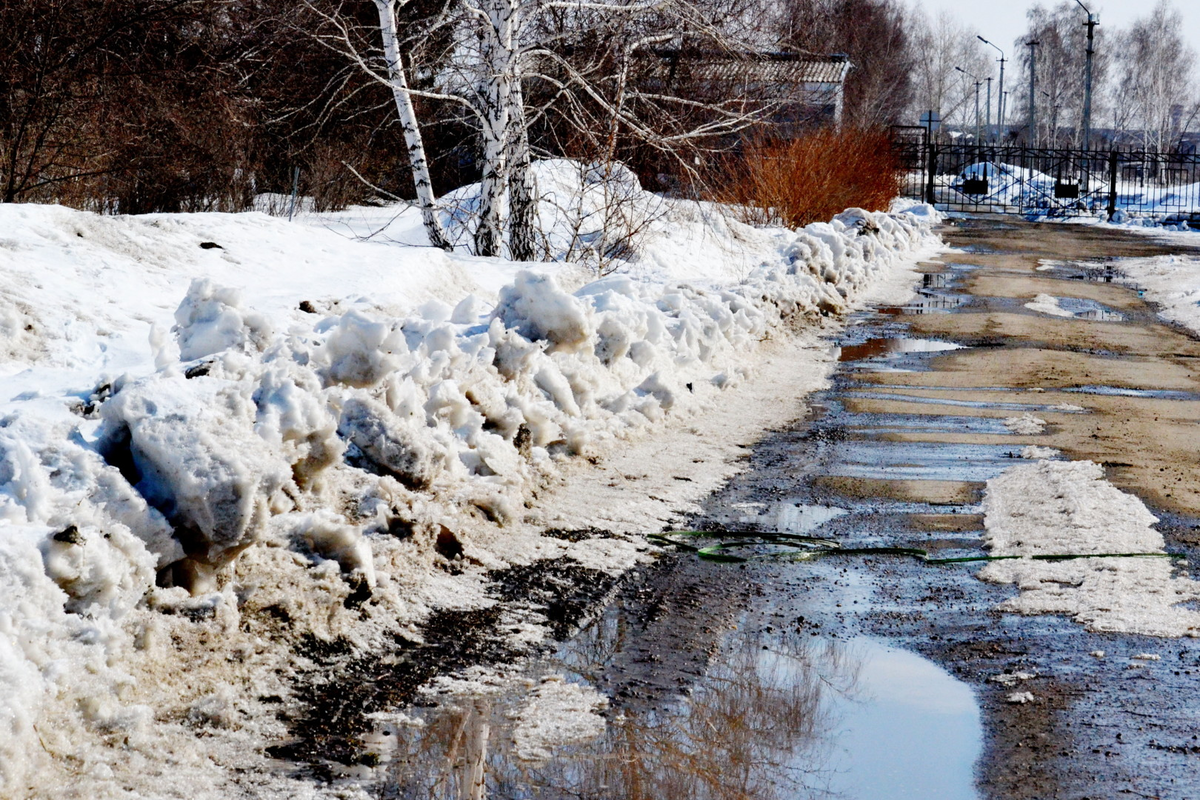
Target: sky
1002 22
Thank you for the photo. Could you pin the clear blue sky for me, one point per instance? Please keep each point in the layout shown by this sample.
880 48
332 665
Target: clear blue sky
1002 21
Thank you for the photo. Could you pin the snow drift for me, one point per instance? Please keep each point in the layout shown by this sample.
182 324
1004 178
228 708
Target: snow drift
260 475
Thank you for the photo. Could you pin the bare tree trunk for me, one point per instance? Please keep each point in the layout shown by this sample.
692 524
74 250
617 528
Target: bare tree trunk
523 220
412 131
498 51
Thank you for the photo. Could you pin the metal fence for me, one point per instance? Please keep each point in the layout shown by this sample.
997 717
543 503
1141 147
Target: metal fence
1051 182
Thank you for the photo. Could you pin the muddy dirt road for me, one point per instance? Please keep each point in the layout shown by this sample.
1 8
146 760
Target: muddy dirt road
906 438
867 675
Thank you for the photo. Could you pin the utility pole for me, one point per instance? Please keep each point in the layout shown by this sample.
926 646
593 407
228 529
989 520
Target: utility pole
987 115
977 85
1091 23
1032 92
1000 96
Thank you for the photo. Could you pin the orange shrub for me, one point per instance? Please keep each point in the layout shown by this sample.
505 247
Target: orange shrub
812 178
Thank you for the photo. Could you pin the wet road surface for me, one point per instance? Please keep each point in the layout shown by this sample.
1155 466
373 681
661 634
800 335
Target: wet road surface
868 676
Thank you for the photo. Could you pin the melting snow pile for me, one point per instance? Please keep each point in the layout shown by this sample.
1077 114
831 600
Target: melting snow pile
1171 282
259 477
1056 508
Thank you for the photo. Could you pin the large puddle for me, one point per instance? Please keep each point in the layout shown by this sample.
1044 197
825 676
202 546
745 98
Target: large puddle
777 713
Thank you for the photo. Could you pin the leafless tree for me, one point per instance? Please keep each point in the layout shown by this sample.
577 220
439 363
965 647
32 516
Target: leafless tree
939 45
1061 61
1156 78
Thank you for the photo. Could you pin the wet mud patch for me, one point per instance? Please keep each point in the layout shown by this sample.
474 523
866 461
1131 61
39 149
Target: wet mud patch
335 700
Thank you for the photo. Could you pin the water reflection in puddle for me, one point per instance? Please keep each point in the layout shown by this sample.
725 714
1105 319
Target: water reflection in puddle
776 714
945 401
936 461
789 517
1118 391
913 732
892 347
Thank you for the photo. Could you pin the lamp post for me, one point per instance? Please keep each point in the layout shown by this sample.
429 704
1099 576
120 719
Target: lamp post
1087 79
977 84
1032 96
1000 88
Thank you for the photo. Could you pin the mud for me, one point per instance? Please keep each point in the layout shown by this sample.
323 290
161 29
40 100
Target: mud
895 453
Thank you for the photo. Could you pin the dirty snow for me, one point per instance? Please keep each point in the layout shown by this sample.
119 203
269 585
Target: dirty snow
199 442
1170 282
1057 507
1025 425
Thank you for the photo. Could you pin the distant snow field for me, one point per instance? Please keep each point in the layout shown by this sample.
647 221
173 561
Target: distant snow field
223 434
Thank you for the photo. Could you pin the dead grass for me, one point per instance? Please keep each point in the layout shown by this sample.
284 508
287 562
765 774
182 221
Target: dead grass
810 179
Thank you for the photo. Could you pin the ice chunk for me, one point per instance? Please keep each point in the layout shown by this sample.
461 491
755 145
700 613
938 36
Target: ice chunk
539 310
211 319
389 442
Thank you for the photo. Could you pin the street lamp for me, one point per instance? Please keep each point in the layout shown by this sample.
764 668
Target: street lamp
1087 81
1000 89
977 84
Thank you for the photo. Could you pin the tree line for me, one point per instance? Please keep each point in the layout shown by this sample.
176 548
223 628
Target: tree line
1144 80
135 106
190 105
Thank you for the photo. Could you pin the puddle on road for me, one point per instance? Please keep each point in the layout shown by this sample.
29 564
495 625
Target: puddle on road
889 347
882 424
788 517
1118 391
1083 308
943 401
778 713
915 731
920 461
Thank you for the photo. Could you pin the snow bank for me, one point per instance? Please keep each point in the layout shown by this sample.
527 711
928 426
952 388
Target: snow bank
1060 507
319 451
1172 283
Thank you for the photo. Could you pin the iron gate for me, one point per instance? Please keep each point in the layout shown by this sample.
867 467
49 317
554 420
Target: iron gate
1052 182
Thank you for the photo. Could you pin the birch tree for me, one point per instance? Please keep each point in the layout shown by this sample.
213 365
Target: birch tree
426 200
1157 76
939 45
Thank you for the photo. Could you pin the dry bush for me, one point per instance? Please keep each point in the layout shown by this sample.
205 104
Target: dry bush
810 179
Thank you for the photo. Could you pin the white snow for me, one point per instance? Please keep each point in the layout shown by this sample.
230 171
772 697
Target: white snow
1025 425
188 457
1172 283
1061 508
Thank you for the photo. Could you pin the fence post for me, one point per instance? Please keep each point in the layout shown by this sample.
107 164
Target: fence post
1112 184
929 193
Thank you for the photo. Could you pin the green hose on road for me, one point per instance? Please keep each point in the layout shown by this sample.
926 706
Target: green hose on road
807 548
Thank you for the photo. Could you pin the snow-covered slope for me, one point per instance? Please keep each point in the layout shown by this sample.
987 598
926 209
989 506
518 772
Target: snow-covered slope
209 453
